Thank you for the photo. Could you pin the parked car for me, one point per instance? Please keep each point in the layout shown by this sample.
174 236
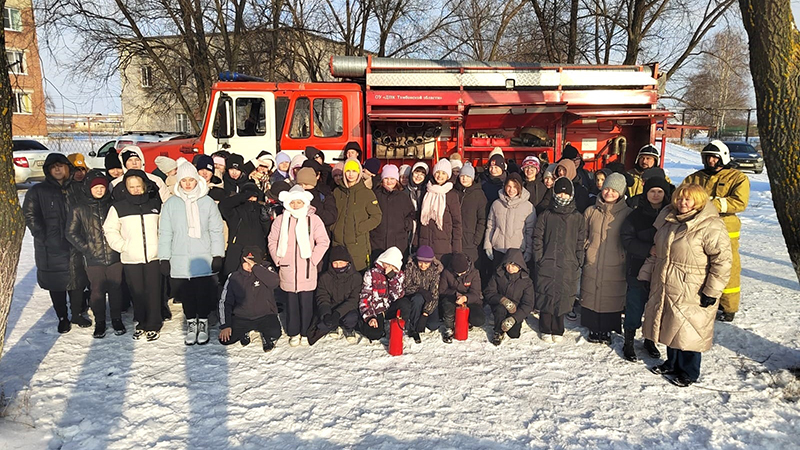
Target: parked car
28 156
745 157
96 159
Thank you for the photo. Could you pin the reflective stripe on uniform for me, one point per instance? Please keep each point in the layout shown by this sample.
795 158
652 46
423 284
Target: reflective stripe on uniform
723 204
734 235
732 290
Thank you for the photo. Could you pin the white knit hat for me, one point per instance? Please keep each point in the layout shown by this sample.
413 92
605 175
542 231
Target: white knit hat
295 193
444 166
186 170
393 256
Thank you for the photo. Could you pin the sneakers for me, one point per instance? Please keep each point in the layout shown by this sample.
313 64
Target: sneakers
605 338
548 338
138 334
99 330
415 335
191 332
651 349
724 317
81 321
681 380
202 331
556 338
152 335
119 327
350 336
498 337
594 338
294 341
335 334
662 369
64 326
266 344
304 341
447 336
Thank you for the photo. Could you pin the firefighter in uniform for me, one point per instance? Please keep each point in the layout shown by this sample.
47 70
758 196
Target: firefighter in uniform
730 191
647 158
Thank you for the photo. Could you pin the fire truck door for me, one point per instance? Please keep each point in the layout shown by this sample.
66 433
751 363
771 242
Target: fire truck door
244 123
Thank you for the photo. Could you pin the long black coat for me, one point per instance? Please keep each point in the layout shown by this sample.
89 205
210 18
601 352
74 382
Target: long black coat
638 235
58 265
448 239
473 218
517 287
558 250
85 229
397 220
338 291
491 187
325 204
537 190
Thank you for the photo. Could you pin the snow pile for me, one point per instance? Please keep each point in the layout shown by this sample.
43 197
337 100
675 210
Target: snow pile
73 391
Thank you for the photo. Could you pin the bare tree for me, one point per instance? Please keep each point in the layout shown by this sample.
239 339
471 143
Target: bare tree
12 224
775 65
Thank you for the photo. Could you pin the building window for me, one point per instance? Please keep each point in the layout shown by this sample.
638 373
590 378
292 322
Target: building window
182 124
16 62
22 103
181 75
328 117
12 20
147 76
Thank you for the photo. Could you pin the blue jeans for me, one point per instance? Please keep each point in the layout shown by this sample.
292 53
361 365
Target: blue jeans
635 299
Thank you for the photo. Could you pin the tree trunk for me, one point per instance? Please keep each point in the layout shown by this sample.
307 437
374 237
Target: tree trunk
12 224
572 46
775 66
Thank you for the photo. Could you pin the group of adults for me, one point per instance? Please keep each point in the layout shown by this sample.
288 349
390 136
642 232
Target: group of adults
345 247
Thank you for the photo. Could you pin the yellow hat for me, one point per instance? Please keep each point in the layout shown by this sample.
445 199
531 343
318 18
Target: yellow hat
77 160
353 165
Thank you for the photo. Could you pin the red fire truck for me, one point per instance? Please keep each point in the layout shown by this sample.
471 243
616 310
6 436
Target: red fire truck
403 110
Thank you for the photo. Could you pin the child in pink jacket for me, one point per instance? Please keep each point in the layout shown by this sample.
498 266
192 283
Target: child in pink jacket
297 242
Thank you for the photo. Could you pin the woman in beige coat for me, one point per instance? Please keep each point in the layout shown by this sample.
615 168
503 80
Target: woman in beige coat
603 284
691 267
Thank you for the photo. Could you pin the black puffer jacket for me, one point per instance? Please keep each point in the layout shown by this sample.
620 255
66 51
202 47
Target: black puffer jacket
468 284
247 221
517 287
338 291
473 218
537 190
558 250
59 266
638 235
491 187
85 228
397 220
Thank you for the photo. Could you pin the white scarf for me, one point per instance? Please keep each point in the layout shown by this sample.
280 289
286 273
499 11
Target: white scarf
301 232
434 203
190 203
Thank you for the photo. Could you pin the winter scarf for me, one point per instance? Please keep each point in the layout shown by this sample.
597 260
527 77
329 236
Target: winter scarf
434 203
186 170
301 230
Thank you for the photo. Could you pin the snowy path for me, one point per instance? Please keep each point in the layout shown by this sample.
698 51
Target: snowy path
76 392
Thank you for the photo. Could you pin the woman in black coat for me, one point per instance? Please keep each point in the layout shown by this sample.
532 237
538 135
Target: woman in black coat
103 267
511 296
558 249
248 225
440 214
397 221
473 212
59 269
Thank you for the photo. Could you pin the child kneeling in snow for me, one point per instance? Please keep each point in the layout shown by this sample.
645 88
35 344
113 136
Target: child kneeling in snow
382 294
337 297
510 294
460 285
248 302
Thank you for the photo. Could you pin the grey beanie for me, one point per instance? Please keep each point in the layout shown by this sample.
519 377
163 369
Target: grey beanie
617 182
468 170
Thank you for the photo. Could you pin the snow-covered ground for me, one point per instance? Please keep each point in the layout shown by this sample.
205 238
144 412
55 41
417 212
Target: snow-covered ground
75 392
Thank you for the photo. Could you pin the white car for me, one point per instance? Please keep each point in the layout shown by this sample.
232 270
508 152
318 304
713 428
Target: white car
29 156
97 159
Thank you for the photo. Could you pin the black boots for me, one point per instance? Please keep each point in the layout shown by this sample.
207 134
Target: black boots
627 348
81 321
99 330
64 325
651 349
726 317
119 327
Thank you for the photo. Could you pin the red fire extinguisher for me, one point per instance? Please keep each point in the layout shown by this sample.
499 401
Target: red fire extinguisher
396 335
462 323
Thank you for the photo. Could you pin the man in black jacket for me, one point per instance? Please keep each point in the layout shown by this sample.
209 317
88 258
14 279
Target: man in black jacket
460 286
248 302
337 298
58 270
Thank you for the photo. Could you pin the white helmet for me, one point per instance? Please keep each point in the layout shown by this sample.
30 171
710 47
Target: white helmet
718 149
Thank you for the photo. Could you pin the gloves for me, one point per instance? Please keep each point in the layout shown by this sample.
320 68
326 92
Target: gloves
331 319
508 305
164 267
508 323
706 301
490 254
216 264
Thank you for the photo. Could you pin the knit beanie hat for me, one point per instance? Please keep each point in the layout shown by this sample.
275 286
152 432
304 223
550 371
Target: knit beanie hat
420 165
312 152
127 154
531 160
253 252
390 171
455 157
282 157
265 159
352 146
393 256
166 164
352 164
570 152
186 170
372 165
459 263
550 172
497 151
498 160
425 253
467 170
339 253
563 184
657 182
338 169
616 182
456 163
97 181
653 172
405 170
202 162
112 161
444 166
306 175
234 162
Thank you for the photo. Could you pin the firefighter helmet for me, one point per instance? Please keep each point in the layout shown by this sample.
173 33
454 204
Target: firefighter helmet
719 149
